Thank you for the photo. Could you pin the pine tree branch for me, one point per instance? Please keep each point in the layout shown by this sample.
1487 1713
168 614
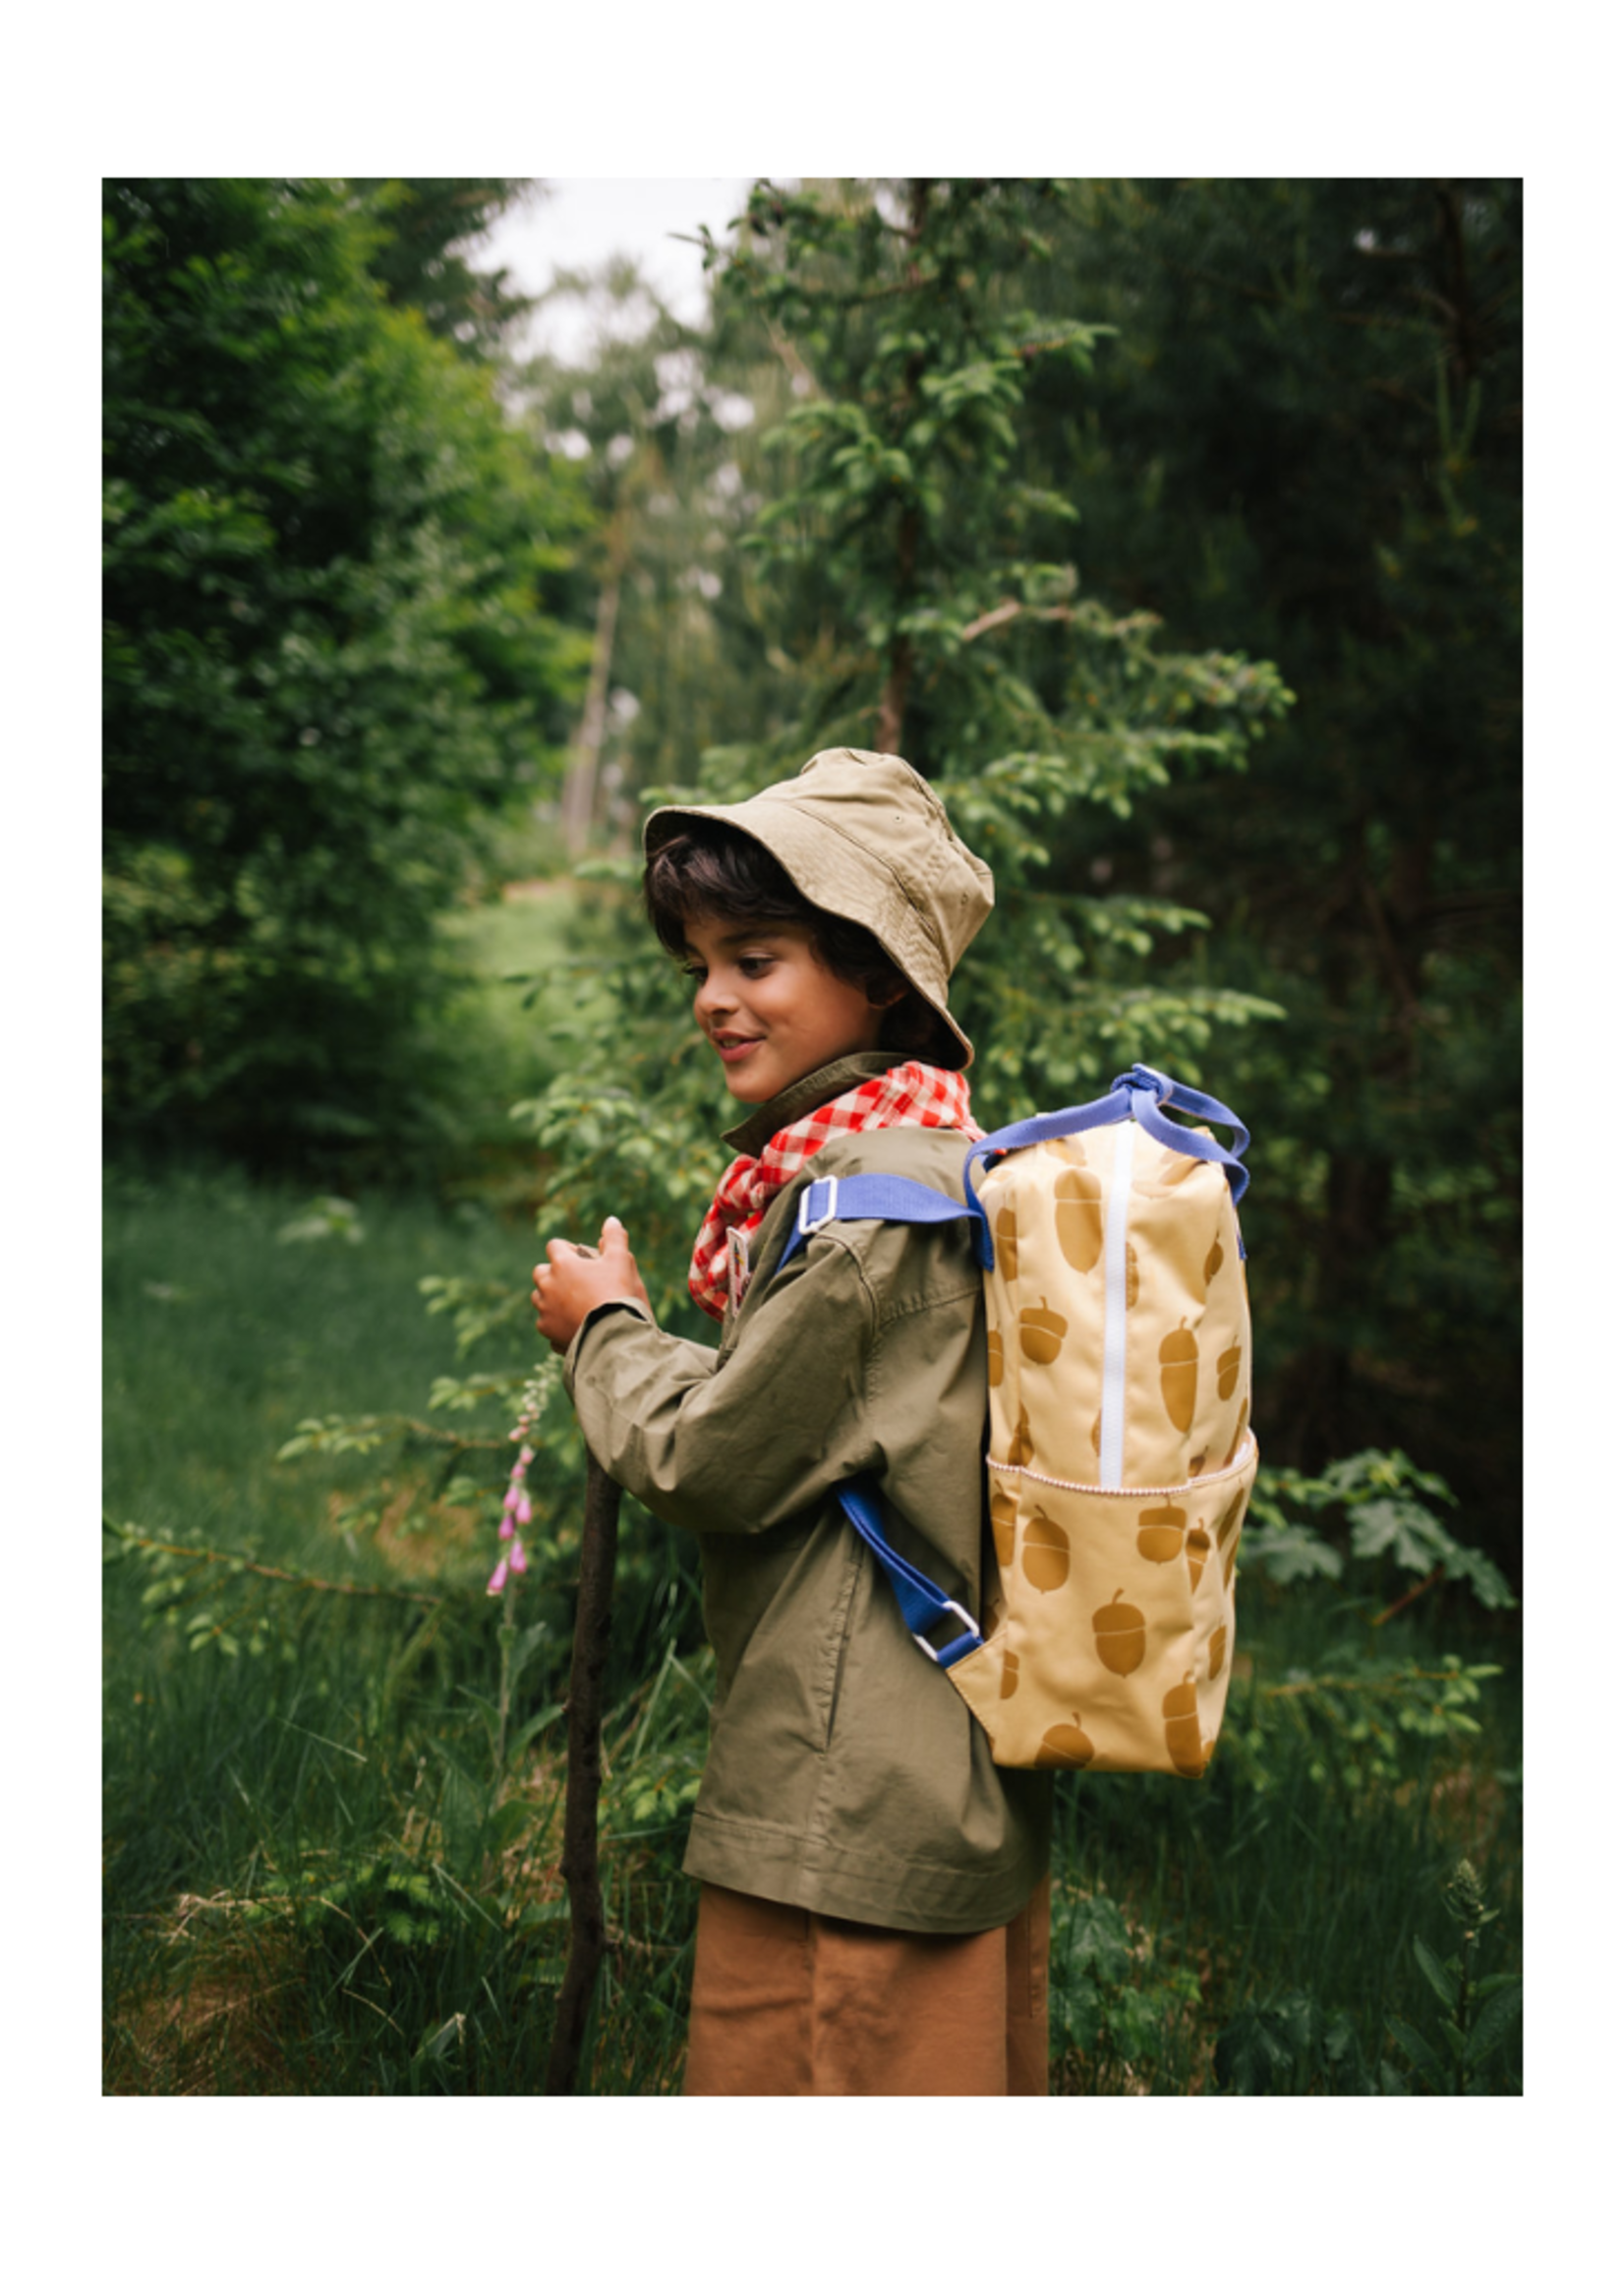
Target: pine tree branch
270 1571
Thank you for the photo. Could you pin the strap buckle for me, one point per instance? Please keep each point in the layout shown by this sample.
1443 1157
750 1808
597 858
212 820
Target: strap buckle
960 1614
806 1223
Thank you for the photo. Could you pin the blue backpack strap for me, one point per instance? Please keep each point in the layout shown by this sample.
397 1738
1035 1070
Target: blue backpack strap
865 1200
893 1200
921 1601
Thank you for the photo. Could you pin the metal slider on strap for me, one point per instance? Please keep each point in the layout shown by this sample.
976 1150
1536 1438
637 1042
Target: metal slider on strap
960 1612
806 1223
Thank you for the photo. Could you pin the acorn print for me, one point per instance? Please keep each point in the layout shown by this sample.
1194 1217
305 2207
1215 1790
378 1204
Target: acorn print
1094 1433
1197 1547
1197 1462
1045 1558
1189 1755
1161 1534
1179 1356
1214 1262
1042 1331
1240 1432
1004 1241
1228 1560
1229 1371
995 1357
1215 1653
1020 1444
1065 1747
1004 1526
1079 1224
1132 1289
1231 1517
1118 1635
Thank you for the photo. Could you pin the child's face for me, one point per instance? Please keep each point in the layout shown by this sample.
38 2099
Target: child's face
771 1011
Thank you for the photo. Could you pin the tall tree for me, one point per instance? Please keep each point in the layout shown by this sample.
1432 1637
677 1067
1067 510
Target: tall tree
659 430
908 577
430 226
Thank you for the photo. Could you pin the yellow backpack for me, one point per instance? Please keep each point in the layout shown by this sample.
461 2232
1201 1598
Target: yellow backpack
1120 1459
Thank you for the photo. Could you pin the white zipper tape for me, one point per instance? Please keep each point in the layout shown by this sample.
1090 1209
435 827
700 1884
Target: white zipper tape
1113 1418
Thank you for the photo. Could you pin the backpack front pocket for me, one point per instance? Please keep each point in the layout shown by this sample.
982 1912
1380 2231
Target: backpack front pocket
1111 1633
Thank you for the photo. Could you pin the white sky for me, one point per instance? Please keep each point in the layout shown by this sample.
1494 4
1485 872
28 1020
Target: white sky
581 224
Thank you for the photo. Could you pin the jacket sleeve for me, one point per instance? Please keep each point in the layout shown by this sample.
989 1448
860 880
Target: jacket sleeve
736 1444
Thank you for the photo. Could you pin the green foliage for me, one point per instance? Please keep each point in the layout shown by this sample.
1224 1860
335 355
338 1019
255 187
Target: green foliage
1288 2044
1362 1720
1113 2004
1380 1496
1473 2043
428 227
1308 435
332 1217
902 582
329 650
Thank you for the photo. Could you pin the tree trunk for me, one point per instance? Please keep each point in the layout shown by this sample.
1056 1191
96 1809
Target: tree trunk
894 702
584 1778
578 804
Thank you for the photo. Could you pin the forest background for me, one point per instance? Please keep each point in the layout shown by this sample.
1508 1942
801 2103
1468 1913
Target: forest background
1172 528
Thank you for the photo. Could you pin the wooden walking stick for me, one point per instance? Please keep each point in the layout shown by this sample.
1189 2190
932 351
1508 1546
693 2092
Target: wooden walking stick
583 1775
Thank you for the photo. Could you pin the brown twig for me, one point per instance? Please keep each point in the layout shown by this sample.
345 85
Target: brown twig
269 1571
584 1778
450 1436
1358 1682
1405 1600
1006 611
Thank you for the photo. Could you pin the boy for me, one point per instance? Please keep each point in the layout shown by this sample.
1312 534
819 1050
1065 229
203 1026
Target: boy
874 1900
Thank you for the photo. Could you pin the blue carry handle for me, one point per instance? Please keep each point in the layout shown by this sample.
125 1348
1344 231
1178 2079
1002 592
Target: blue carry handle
1142 1093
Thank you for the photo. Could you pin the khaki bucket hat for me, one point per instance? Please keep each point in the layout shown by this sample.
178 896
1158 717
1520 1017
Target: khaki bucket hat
862 836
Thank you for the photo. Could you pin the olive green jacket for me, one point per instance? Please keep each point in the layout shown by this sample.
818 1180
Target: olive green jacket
846 1774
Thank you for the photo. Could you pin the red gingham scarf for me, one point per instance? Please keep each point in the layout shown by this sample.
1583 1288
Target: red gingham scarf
922 1096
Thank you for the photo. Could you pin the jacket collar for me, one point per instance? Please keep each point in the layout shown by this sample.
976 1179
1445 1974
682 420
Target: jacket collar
806 1095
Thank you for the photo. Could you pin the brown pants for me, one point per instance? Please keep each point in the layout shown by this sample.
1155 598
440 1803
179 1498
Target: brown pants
787 2001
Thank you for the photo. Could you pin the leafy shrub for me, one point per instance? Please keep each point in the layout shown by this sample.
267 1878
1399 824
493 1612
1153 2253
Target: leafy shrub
1113 2004
330 579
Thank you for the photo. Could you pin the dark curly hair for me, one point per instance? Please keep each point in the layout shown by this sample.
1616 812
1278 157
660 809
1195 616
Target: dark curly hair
712 870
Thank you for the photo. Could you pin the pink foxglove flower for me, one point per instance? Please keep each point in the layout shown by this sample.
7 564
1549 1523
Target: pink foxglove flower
516 1507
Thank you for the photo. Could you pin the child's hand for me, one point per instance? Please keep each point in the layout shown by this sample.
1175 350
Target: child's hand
573 1281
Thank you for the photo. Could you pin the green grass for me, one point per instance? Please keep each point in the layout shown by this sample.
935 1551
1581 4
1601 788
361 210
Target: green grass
330 1850
255 1723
